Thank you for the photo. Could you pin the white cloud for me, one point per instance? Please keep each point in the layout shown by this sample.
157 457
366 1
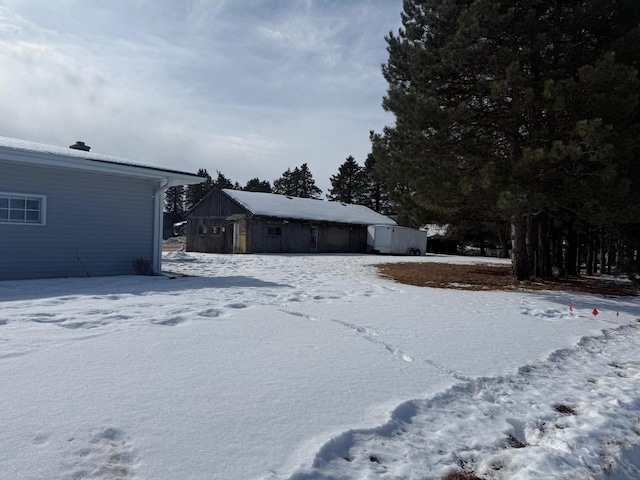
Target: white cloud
202 14
248 88
301 36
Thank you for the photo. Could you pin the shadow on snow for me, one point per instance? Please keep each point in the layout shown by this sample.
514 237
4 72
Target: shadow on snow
12 290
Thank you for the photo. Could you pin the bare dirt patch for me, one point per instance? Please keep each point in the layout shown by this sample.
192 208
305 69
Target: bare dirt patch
461 476
174 244
494 277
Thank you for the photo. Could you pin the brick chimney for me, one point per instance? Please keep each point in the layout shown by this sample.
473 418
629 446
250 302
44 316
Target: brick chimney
80 146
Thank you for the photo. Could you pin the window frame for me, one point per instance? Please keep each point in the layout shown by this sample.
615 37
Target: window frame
276 231
25 196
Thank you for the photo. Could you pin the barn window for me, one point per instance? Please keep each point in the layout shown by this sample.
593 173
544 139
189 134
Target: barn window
215 230
273 231
202 227
20 208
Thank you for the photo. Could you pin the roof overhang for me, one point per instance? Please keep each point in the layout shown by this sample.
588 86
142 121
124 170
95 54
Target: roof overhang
48 160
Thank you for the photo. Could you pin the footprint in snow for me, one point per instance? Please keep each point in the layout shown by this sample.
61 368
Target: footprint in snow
40 439
106 453
367 333
300 314
169 322
548 314
99 312
210 313
82 325
45 318
119 317
236 305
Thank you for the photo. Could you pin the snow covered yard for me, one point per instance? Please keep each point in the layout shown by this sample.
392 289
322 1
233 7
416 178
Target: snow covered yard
312 367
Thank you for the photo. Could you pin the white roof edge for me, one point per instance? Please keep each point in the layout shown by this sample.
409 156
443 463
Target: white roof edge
286 207
395 225
79 160
233 197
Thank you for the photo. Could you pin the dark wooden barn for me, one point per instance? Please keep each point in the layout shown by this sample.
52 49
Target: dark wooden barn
233 221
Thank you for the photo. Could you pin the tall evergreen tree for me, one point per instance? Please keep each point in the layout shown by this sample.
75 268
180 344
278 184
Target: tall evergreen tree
505 112
377 197
285 185
297 183
257 185
350 184
223 182
174 202
197 192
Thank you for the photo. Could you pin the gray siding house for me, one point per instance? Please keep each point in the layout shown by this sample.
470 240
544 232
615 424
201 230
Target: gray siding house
66 212
232 221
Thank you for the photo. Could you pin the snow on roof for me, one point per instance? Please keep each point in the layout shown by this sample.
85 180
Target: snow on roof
14 145
282 206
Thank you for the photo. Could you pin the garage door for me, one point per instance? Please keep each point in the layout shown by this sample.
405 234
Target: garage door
338 240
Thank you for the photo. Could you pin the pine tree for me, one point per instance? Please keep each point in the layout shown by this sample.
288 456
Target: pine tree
505 112
257 185
285 185
197 192
376 197
350 184
174 202
223 182
297 183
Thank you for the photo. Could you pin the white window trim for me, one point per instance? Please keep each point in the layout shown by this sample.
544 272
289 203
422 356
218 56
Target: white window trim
43 208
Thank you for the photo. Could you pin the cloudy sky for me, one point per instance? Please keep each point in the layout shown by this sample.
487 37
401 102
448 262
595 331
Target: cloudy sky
246 87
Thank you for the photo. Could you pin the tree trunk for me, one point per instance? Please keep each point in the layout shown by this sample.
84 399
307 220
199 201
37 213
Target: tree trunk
519 257
544 252
558 252
588 262
532 243
572 256
503 237
580 254
594 253
603 260
610 254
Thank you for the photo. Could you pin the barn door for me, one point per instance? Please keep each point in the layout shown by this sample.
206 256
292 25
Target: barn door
239 237
338 240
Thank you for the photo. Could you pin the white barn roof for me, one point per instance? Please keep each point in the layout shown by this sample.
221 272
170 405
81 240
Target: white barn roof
281 206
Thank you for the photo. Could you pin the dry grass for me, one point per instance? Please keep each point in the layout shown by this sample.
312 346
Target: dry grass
461 476
491 277
564 409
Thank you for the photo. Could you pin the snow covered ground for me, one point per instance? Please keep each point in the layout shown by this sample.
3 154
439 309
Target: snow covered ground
310 367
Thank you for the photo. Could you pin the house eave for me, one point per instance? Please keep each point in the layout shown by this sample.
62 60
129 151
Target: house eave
52 160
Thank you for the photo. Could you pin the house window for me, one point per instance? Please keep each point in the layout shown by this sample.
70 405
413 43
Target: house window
215 230
19 208
273 231
202 228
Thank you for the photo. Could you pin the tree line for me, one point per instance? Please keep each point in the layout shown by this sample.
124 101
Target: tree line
352 183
